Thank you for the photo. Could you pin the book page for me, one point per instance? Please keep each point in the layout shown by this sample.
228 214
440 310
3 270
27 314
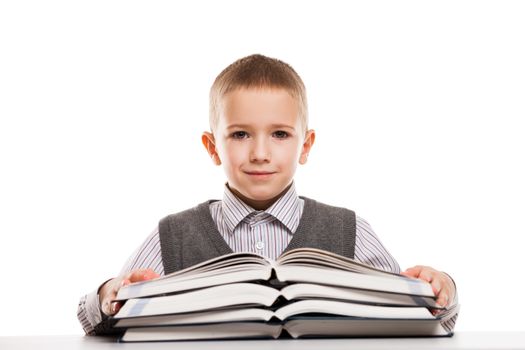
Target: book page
232 268
318 291
199 300
318 257
234 314
213 331
347 327
342 278
351 309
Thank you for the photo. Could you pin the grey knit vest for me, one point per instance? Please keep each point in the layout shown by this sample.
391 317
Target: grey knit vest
191 236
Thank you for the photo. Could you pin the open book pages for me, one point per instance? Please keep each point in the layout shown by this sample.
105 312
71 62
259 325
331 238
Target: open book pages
305 293
204 317
318 325
299 265
246 294
300 327
309 290
315 325
202 299
302 307
244 330
332 307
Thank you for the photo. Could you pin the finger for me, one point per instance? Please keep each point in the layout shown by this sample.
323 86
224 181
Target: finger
107 297
443 299
427 276
142 275
436 312
405 273
413 271
115 307
152 274
106 306
115 289
436 286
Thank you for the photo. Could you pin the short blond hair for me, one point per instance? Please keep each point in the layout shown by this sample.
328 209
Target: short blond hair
258 71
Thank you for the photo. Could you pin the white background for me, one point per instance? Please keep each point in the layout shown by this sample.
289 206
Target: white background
418 108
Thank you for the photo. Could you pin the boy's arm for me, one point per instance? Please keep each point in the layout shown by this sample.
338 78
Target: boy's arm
443 286
94 308
370 251
89 313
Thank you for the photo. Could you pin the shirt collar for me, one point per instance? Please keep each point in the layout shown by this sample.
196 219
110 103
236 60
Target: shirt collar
286 209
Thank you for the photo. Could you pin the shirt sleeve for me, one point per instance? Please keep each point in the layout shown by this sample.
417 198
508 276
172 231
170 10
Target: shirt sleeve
369 249
148 255
450 323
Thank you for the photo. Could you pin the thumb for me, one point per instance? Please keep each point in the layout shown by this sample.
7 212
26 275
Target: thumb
142 275
115 307
412 272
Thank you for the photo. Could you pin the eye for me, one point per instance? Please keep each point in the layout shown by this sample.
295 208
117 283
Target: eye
281 134
239 135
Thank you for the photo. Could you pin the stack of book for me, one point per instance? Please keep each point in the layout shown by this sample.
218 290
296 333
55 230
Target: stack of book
305 293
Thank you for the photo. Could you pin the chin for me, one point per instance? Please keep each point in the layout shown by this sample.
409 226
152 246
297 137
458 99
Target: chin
260 192
263 195
258 196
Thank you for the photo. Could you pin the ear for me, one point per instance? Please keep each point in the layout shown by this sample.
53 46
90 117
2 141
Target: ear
307 146
208 140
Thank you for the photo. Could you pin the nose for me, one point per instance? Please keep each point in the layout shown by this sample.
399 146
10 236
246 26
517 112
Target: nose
260 150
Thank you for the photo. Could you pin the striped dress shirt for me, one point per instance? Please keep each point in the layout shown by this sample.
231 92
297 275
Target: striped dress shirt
265 232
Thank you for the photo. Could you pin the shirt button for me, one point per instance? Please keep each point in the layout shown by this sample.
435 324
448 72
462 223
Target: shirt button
259 245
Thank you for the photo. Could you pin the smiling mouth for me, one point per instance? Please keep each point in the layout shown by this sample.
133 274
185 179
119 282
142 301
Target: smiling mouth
259 173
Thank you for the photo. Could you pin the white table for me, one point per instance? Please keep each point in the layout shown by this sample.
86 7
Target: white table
461 340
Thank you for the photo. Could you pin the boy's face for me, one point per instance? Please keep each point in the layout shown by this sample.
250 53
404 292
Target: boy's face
259 139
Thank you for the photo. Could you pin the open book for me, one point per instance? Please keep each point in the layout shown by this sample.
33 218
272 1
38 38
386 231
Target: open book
303 327
305 293
307 265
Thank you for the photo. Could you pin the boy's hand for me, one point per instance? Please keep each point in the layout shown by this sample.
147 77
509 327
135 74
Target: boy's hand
442 285
108 292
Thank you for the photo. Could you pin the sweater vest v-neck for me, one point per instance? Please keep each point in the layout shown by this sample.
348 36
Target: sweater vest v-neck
191 236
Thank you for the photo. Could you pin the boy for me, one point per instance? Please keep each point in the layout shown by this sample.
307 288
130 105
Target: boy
259 133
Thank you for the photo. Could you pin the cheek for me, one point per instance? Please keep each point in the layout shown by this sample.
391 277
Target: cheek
288 155
232 154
